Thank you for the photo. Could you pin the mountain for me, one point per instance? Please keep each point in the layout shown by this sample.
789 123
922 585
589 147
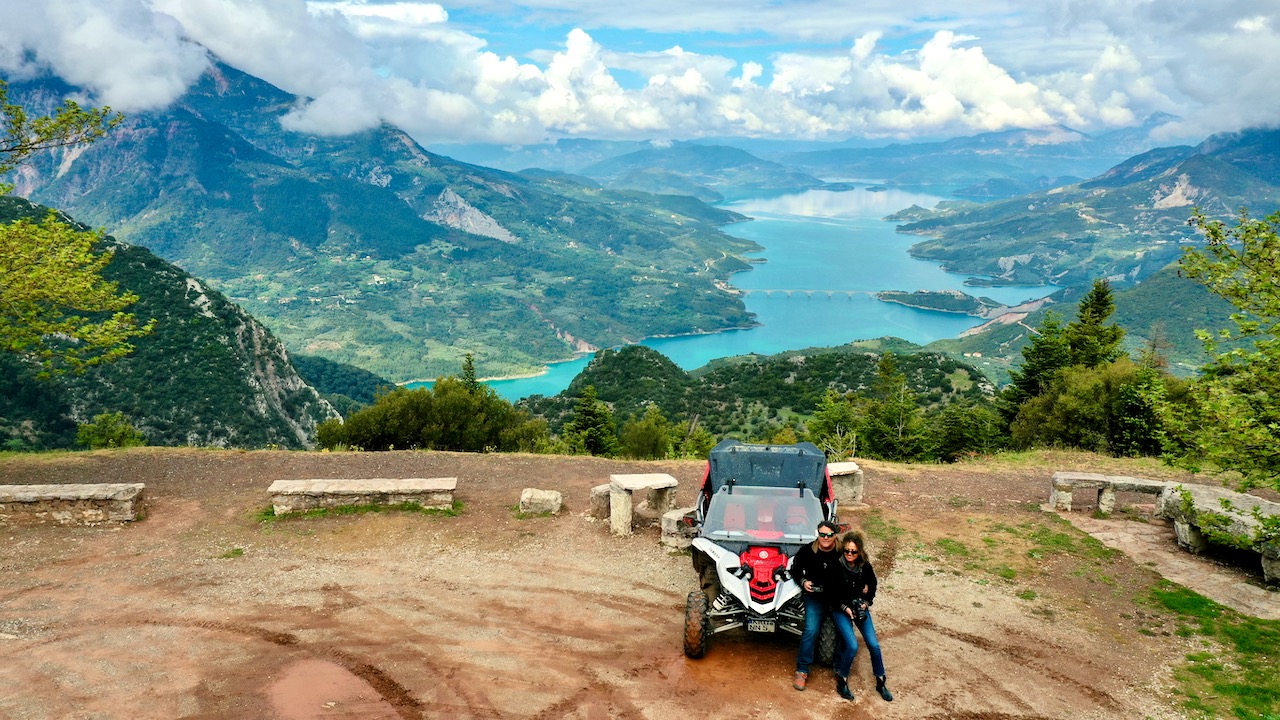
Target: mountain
368 250
208 375
705 171
1020 156
1124 224
569 155
1161 313
346 387
747 396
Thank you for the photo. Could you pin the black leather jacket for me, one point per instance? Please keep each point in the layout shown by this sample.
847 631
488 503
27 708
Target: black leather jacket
851 583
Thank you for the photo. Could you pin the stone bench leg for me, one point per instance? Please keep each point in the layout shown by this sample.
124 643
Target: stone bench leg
1271 570
620 511
1060 498
662 500
1190 537
1106 500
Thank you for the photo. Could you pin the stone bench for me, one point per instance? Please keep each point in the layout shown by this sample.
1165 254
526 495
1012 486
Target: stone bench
1066 483
848 480
70 504
678 529
661 490
1202 514
290 496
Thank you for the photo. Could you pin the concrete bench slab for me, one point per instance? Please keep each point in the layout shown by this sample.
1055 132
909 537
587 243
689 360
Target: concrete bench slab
1199 512
1065 483
660 489
290 496
70 503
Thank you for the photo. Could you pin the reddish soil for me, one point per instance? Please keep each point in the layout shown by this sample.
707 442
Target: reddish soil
484 615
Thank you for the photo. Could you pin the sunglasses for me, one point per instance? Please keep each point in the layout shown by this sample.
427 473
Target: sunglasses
826 534
851 552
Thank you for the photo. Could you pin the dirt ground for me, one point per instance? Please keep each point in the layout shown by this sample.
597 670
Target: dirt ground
202 610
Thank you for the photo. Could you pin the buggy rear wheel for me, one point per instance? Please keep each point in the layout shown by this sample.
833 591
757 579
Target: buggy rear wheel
697 626
827 639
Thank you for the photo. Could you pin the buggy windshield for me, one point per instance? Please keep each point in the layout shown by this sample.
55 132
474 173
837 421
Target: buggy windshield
783 466
776 515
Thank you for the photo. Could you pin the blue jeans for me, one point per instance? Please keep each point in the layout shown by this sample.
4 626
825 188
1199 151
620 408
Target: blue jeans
814 611
847 644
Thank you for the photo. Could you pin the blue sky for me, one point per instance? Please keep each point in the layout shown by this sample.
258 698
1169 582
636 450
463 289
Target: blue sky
530 71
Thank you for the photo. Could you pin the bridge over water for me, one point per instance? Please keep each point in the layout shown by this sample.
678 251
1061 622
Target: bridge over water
809 292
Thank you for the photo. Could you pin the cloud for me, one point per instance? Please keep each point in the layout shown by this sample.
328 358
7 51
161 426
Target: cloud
121 51
820 71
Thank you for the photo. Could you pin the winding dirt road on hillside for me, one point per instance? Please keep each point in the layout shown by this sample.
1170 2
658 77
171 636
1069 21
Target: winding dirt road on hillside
201 610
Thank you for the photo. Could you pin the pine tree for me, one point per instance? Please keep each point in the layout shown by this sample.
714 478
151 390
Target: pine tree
893 427
469 374
591 429
1090 341
1042 360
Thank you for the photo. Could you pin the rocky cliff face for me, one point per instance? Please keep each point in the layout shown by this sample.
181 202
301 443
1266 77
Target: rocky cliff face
208 375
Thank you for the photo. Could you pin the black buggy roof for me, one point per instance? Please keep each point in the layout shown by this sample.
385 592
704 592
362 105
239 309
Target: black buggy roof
733 462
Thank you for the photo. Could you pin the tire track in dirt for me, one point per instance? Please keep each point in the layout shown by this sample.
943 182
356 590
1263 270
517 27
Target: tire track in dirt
529 634
395 694
1023 655
477 704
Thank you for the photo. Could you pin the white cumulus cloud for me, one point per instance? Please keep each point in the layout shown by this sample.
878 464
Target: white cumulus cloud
821 71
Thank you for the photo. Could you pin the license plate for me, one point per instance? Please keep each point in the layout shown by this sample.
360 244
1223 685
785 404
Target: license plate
761 625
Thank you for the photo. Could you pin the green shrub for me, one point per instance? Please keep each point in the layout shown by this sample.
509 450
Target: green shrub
109 430
451 415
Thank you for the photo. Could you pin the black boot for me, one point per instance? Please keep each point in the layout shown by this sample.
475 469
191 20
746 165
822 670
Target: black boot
842 688
884 691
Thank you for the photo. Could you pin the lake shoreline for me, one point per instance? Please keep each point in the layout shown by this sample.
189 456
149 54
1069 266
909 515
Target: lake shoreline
546 369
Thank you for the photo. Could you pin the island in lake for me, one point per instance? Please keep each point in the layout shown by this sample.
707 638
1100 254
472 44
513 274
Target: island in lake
952 301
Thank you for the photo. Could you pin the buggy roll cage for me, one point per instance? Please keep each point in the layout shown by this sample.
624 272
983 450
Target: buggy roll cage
801 466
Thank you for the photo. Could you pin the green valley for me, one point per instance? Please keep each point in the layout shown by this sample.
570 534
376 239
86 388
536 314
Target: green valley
368 250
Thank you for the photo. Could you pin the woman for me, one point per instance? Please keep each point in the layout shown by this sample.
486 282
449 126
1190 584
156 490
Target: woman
850 601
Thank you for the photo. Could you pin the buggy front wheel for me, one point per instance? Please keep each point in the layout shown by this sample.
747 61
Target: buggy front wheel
697 627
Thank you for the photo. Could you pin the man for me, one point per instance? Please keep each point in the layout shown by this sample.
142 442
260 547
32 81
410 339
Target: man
812 566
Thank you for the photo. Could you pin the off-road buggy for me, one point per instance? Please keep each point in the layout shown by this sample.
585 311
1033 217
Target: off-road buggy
758 505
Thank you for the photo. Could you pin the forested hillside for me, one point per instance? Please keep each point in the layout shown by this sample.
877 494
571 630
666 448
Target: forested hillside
1162 314
368 250
208 374
753 396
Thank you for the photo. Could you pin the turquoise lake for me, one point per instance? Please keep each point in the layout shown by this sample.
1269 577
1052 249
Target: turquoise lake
818 240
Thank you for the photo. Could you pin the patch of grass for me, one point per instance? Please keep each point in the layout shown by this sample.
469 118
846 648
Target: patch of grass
1006 572
269 514
874 525
1027 595
952 547
1239 674
232 553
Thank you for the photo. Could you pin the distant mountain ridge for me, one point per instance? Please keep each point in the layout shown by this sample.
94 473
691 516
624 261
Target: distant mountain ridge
368 250
1023 156
208 375
1124 224
708 172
